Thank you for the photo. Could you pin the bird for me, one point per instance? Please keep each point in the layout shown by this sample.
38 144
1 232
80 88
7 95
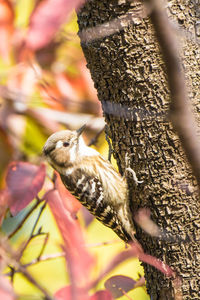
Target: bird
92 180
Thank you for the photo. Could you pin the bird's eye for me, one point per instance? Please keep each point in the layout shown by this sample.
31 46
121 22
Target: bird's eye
65 144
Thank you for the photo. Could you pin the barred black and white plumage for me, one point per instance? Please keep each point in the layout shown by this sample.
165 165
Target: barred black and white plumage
92 180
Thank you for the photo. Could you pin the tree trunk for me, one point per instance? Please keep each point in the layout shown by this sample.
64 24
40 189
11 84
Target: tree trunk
126 65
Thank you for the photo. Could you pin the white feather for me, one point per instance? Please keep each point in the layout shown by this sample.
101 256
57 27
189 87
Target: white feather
59 144
85 150
99 199
72 153
68 171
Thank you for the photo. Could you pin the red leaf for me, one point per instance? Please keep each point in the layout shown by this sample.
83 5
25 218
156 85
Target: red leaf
65 293
78 259
24 181
102 295
47 19
119 284
71 203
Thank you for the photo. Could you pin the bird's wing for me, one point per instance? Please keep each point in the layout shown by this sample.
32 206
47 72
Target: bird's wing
89 191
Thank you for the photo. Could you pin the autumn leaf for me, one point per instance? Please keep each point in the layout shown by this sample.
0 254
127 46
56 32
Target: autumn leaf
78 258
102 295
71 203
66 293
119 285
24 181
63 293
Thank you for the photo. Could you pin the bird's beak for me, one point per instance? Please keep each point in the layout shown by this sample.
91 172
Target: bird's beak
80 130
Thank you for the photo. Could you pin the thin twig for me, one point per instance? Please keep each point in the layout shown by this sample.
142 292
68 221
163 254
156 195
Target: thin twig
38 201
125 294
43 246
94 140
33 229
45 258
100 244
36 261
38 217
11 258
181 116
32 280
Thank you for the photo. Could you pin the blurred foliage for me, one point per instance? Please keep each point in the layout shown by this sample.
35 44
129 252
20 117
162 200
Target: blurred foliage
43 91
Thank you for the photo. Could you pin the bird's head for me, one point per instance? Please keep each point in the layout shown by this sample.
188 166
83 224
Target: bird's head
61 148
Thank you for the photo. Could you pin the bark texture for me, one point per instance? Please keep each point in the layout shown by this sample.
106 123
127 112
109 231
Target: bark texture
129 74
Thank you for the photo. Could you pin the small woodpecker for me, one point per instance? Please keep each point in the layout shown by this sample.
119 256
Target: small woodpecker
92 180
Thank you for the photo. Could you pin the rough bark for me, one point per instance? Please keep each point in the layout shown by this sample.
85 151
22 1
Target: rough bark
130 77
